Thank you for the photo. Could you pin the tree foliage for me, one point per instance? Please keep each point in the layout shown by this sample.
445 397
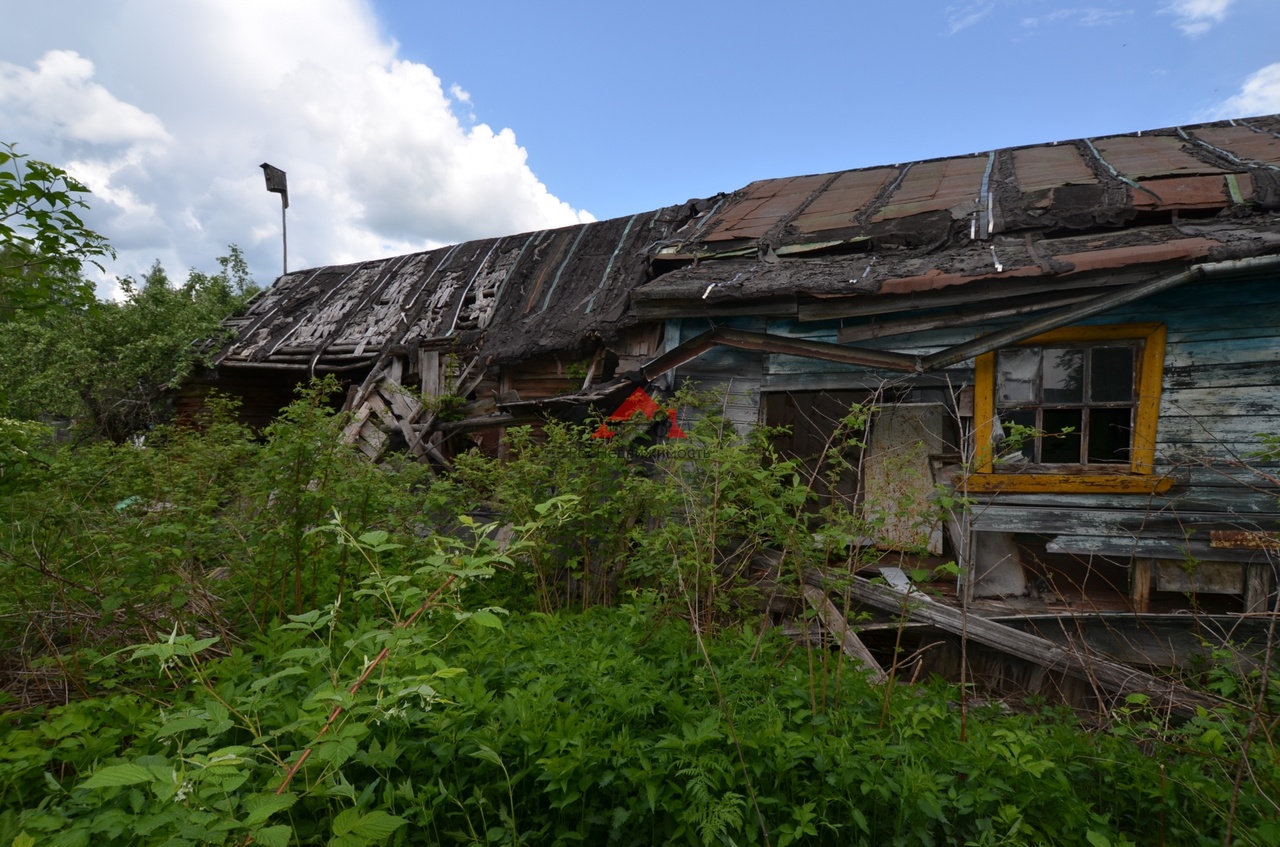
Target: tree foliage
43 241
109 365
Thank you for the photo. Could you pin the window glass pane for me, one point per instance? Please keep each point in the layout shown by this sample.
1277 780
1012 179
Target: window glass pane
1016 370
1112 377
1110 432
1063 375
1057 446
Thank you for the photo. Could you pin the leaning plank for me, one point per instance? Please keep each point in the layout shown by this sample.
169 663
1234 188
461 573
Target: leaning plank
838 625
1112 677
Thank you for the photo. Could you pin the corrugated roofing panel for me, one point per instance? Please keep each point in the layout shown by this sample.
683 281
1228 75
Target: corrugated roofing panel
836 207
934 186
1188 192
1041 168
766 203
1243 142
1146 156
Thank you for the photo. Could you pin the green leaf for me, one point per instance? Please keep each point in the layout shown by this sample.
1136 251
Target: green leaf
273 836
177 725
485 618
1097 839
488 754
377 825
345 821
23 840
114 775
263 806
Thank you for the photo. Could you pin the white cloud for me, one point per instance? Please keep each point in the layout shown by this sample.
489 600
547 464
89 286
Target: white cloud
966 13
1260 95
1196 17
59 93
1087 16
165 111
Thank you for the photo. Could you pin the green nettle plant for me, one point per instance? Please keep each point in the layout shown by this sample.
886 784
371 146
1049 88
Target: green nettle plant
198 648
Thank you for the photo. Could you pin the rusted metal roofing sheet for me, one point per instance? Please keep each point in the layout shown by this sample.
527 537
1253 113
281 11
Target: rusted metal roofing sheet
1043 168
839 205
935 186
1244 143
765 204
1189 192
1152 156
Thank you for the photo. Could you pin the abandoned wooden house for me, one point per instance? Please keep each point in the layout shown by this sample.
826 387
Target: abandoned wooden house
1083 337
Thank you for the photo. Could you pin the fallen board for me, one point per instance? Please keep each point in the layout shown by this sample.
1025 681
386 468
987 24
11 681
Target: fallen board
1108 677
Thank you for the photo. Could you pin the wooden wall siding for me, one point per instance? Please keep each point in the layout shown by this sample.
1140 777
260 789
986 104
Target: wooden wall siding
734 375
543 377
810 418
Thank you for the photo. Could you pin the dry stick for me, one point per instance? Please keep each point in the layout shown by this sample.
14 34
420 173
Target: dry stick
355 686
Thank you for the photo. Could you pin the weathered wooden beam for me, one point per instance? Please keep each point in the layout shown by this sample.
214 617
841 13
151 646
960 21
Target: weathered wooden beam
838 625
1113 678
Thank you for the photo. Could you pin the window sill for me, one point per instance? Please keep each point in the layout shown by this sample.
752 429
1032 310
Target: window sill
1066 483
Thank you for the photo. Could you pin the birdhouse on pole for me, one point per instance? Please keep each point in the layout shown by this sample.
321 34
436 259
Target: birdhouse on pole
278 184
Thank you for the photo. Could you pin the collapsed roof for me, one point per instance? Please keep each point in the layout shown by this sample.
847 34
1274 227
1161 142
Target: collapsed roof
1033 225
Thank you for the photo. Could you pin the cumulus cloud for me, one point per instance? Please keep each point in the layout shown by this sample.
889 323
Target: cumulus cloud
60 93
166 110
1196 17
1260 95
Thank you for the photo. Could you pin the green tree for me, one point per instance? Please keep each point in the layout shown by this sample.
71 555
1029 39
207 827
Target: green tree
43 242
110 365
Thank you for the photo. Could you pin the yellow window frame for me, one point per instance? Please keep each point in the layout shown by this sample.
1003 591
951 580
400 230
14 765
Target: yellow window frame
1140 477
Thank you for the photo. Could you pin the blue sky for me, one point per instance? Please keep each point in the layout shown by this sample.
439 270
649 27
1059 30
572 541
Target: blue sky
411 125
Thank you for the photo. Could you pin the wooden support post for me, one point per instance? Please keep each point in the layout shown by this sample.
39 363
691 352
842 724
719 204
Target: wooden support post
1140 575
1256 585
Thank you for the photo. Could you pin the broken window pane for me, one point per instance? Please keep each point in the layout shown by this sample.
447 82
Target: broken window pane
1112 377
1063 375
1016 371
1060 441
1110 434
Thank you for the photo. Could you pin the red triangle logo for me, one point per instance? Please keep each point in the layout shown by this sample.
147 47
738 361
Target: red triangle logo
639 402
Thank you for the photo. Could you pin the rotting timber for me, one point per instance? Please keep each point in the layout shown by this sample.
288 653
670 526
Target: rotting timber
905 287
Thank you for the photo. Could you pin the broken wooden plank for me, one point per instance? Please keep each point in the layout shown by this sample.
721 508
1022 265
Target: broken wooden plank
838 625
1114 678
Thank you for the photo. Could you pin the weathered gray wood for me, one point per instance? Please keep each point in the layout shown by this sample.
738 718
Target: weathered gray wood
1148 523
1256 587
1125 547
1199 577
995 566
838 625
1109 678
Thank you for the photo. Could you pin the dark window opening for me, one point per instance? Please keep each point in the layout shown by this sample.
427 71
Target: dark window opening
1069 404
